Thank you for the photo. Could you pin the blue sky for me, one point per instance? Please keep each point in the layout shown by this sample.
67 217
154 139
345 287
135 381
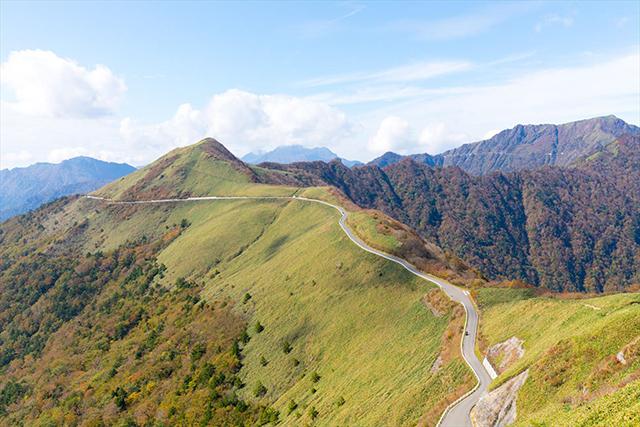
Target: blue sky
127 81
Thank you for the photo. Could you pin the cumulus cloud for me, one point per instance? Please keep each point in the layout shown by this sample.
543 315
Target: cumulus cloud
410 119
436 138
148 141
393 134
553 95
397 134
47 85
245 122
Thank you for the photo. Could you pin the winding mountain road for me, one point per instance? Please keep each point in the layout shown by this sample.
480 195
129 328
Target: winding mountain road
458 413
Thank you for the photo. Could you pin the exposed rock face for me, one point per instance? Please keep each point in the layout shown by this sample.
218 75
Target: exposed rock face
530 146
498 408
504 354
527 147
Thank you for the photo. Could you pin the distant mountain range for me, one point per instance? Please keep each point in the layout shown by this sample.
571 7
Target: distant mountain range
526 147
296 153
24 189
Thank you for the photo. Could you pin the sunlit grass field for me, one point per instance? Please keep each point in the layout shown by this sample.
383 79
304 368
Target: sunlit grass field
361 342
570 347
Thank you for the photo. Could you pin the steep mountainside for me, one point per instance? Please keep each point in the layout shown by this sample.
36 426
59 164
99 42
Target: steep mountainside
23 189
527 147
531 146
582 356
236 312
296 153
574 229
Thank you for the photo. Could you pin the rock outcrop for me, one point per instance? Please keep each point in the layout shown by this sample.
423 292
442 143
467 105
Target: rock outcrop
504 354
498 408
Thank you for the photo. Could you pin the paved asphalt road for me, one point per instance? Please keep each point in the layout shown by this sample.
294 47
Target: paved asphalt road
457 414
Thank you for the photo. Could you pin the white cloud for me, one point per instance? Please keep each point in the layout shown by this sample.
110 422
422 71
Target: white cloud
554 19
21 157
45 138
407 119
463 25
405 73
398 135
59 154
490 134
148 141
555 95
244 122
436 138
393 134
48 85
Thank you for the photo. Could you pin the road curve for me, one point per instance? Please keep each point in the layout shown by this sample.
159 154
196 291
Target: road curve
458 413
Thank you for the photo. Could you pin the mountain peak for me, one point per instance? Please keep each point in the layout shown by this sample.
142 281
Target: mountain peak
286 154
214 148
386 159
528 146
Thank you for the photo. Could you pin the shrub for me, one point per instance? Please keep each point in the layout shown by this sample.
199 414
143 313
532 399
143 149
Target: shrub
268 416
259 390
286 347
244 338
206 372
292 406
315 377
181 283
340 401
120 398
198 351
313 413
259 328
246 298
263 361
235 349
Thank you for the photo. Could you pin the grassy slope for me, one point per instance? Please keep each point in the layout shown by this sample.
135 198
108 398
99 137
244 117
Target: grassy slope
570 348
190 170
353 318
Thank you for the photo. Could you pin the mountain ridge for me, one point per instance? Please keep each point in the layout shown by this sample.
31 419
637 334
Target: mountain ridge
26 188
527 146
557 227
286 154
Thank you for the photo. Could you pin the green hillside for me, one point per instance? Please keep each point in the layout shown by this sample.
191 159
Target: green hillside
570 348
219 313
205 168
